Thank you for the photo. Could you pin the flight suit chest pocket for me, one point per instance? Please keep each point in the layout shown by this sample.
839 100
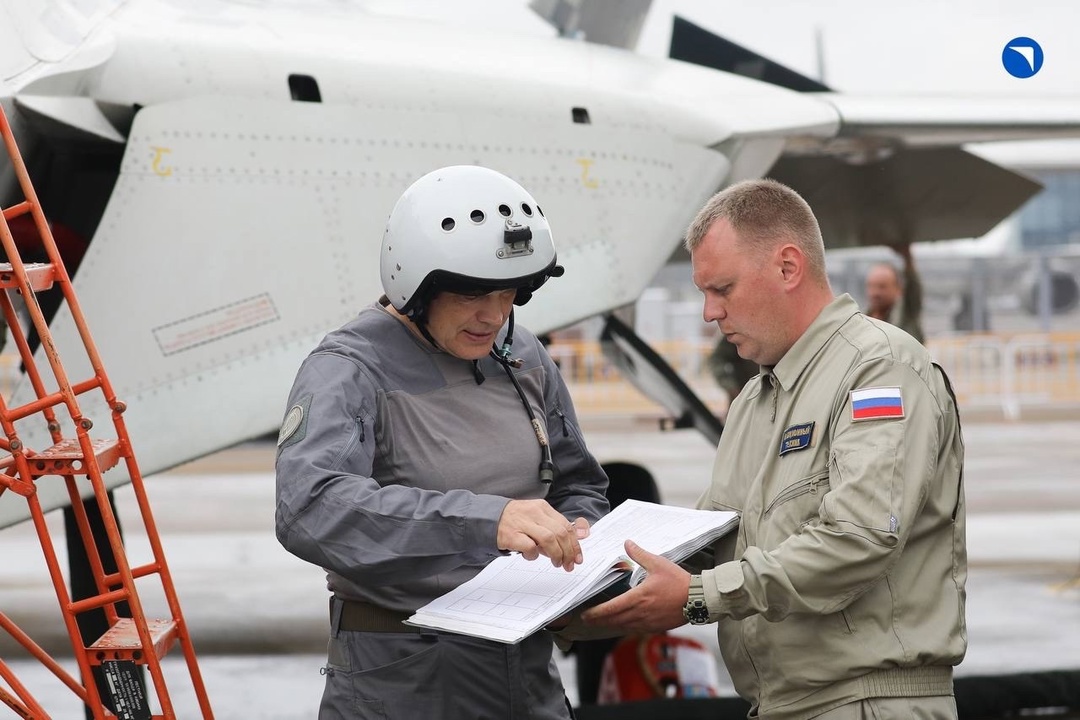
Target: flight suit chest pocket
793 507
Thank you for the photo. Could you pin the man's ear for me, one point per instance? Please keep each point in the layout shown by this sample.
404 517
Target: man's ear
791 262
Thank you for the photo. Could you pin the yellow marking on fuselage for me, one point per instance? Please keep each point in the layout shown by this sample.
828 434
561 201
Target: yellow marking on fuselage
587 181
159 154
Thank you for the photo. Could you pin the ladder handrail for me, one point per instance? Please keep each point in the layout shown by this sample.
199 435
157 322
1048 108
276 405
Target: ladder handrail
20 469
57 262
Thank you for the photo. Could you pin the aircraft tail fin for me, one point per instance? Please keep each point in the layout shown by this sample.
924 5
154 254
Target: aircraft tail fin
607 22
693 44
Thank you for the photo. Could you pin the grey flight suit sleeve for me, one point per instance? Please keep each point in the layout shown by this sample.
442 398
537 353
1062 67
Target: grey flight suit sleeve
880 474
330 510
580 485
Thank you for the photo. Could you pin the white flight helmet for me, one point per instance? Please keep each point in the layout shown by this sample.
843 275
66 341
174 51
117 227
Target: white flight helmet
464 228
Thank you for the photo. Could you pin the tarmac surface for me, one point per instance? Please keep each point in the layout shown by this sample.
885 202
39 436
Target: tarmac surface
258 615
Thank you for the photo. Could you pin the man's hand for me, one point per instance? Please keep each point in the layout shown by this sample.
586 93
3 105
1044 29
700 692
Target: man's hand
534 528
653 606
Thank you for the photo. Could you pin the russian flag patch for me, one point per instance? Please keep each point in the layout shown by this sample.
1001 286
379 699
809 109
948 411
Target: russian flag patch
876 403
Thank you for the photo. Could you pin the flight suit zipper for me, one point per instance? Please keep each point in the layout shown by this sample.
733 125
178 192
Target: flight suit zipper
810 485
356 437
562 416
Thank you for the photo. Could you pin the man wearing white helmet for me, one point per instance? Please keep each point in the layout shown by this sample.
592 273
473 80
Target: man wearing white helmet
426 437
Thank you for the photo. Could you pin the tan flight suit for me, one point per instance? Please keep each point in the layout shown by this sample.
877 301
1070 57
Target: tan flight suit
851 560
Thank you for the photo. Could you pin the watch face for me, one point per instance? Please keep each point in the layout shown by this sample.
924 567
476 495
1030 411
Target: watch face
696 613
699 615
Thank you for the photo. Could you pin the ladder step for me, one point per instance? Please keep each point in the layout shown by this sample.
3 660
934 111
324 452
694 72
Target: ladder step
39 275
121 641
138 571
14 211
66 458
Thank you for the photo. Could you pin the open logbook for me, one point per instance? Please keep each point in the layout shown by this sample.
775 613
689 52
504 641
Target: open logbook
513 597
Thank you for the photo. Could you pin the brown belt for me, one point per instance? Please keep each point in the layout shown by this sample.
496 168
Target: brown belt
359 616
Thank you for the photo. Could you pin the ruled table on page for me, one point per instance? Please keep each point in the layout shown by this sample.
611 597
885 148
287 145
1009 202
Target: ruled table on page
512 597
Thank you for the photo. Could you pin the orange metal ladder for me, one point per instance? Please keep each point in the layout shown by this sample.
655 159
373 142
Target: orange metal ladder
130 641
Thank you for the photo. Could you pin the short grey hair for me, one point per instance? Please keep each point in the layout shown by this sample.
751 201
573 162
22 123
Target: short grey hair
763 213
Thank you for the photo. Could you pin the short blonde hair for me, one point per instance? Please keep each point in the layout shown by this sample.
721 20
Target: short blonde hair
763 213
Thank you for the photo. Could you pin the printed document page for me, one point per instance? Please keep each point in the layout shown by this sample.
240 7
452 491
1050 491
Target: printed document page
513 597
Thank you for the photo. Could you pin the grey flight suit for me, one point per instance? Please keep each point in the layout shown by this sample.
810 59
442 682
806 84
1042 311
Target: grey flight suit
393 470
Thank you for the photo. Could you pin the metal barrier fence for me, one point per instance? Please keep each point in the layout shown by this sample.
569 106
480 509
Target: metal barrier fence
1013 373
600 389
1006 374
999 373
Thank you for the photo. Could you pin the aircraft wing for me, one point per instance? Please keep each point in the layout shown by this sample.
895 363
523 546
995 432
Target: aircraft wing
895 170
934 121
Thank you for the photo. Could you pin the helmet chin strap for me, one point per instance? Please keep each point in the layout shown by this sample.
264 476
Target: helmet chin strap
419 320
502 356
477 374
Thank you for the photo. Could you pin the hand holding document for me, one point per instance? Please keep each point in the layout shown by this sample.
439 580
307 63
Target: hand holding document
513 597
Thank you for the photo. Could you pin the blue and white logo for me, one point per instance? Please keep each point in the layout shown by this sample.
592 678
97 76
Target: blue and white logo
1022 57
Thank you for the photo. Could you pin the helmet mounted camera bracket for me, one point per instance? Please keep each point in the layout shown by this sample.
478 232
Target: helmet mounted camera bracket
517 241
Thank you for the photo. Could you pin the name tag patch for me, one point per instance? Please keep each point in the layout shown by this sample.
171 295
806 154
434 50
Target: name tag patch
876 403
797 437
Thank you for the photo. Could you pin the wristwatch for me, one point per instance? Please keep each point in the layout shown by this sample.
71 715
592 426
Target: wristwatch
695 611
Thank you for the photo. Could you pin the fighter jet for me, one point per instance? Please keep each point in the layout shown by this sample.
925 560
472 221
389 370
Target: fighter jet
219 173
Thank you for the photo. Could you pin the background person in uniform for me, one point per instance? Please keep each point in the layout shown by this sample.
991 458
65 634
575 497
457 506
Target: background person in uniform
730 371
408 457
894 300
842 594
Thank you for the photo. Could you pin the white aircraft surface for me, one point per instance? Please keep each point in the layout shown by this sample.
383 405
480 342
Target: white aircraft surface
229 165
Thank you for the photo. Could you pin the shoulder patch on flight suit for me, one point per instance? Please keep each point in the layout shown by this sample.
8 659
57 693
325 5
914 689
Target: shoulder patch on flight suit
876 403
295 422
797 437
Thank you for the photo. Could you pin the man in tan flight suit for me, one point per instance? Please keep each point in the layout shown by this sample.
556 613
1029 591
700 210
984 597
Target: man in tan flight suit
842 595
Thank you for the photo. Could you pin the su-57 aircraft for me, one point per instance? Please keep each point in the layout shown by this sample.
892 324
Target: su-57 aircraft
218 174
